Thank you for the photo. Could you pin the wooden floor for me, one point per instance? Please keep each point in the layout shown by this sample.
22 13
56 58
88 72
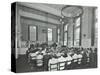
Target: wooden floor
23 66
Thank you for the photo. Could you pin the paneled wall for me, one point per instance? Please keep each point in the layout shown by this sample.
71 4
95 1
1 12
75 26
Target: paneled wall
87 27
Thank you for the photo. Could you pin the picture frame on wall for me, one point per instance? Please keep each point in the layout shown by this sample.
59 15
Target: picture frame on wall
53 37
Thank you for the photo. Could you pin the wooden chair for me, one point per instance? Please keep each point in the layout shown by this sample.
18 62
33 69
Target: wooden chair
31 57
74 63
61 65
79 62
53 67
39 60
88 62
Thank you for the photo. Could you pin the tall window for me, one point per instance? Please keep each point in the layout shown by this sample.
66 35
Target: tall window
65 34
77 32
49 34
32 33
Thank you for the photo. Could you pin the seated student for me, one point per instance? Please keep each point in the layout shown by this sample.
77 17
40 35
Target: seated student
37 46
53 51
32 49
79 56
53 61
44 45
29 51
39 59
82 52
61 61
44 51
48 51
32 58
33 52
54 45
58 54
75 56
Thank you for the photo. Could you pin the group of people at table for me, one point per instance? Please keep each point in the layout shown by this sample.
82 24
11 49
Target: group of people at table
57 57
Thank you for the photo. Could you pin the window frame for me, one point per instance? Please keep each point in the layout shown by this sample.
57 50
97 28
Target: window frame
66 32
51 34
76 27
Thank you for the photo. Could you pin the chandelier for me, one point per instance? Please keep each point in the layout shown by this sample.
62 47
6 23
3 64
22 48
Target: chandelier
71 11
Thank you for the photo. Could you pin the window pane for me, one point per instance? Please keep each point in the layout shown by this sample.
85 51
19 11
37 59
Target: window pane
65 28
58 31
77 22
49 34
77 33
76 42
32 33
65 38
76 37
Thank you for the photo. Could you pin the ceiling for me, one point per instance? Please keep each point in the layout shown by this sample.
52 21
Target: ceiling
51 9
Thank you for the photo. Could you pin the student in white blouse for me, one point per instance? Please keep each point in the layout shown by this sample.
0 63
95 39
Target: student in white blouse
75 56
32 58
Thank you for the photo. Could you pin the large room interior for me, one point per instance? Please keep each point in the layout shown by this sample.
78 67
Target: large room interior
51 36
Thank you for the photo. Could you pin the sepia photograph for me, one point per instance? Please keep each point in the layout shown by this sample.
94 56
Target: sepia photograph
53 37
